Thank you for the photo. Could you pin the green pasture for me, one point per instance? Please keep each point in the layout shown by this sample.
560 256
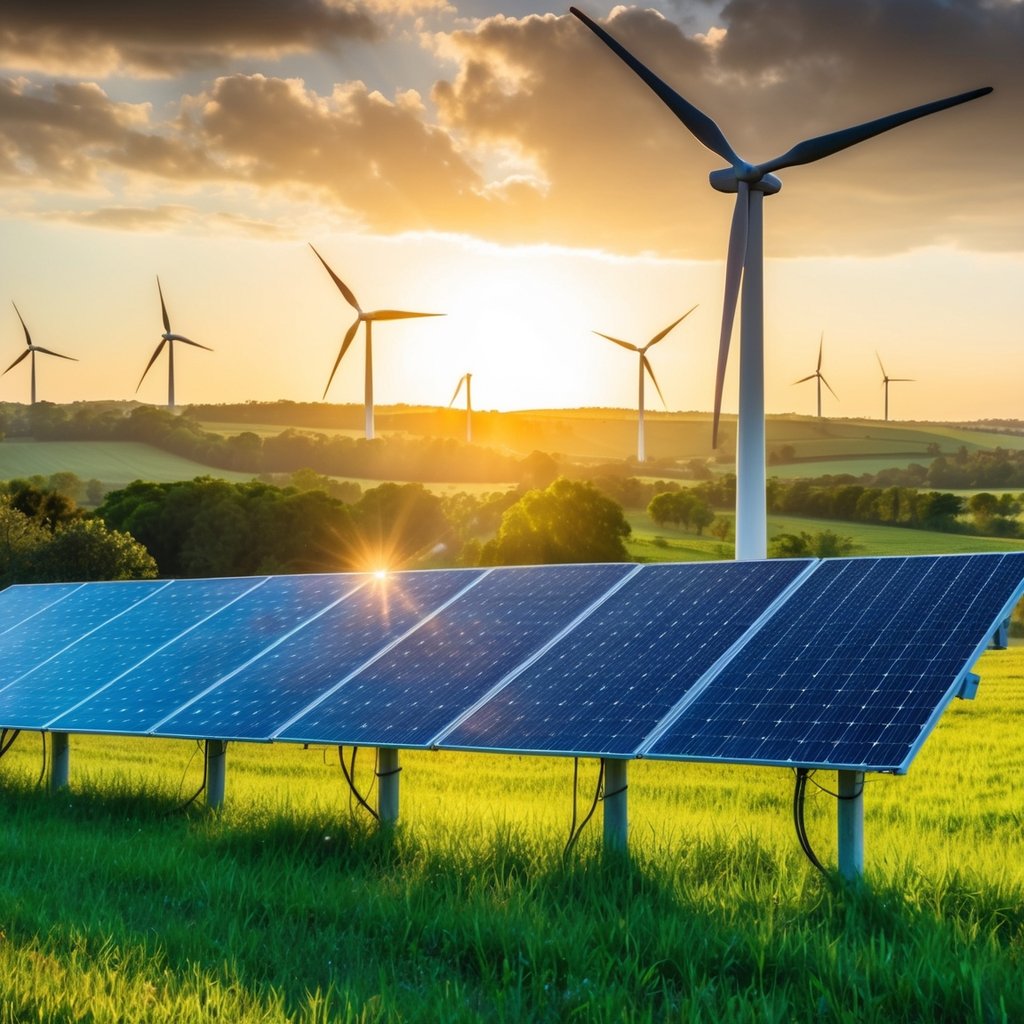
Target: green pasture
115 906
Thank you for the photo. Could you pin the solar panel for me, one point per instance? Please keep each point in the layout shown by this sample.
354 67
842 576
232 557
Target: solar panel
254 702
418 687
164 682
606 685
45 634
100 657
22 601
855 669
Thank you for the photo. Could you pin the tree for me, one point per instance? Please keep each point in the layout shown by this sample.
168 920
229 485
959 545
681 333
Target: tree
568 521
86 550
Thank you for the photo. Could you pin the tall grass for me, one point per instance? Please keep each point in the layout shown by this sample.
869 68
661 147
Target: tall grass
288 905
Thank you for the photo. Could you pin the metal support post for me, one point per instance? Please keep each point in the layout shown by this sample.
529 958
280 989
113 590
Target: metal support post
216 772
388 772
616 816
851 825
60 760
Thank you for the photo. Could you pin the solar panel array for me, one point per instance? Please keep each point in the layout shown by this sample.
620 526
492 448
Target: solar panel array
845 663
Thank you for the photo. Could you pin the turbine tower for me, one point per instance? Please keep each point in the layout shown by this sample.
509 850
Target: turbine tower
751 183
886 381
645 367
31 350
468 379
368 319
818 375
168 339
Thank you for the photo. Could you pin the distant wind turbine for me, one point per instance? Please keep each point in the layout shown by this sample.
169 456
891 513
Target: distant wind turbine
368 319
886 381
31 350
645 367
751 182
168 339
468 379
818 376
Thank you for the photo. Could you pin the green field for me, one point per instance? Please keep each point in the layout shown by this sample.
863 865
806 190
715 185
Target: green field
285 906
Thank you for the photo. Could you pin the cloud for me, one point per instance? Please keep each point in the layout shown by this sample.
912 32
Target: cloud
105 37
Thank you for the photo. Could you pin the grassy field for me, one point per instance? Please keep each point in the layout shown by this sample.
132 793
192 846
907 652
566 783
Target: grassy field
285 906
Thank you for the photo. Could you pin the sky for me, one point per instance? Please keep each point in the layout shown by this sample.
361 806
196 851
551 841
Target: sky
496 163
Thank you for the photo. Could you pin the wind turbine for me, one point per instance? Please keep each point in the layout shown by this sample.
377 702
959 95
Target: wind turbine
751 182
819 376
31 350
368 319
168 339
468 379
886 381
645 366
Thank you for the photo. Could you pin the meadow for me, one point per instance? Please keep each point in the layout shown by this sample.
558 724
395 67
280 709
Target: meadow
117 905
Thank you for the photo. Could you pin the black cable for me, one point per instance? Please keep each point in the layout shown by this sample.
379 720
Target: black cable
573 836
838 796
195 796
350 779
799 793
5 743
42 770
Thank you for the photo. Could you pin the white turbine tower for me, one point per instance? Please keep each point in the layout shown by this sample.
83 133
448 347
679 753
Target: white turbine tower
886 381
466 378
30 352
368 319
751 182
168 339
817 375
645 367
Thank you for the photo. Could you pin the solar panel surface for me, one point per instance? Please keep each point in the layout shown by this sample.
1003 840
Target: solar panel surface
256 701
853 671
22 601
606 685
425 682
97 659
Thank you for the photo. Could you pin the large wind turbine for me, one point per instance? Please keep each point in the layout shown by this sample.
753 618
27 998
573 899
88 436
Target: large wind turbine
168 339
368 319
751 182
886 381
31 350
818 376
645 367
466 378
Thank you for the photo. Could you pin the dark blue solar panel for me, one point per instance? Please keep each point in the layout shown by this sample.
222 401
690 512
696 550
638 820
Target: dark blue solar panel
38 638
97 659
421 685
855 668
164 682
22 601
604 687
258 700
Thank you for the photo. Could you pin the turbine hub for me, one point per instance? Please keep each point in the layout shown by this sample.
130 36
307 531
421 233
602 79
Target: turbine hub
728 180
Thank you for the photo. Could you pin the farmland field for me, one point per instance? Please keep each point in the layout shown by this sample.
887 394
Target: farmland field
113 906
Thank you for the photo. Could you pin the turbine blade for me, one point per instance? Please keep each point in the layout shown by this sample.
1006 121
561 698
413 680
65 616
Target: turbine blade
152 360
902 380
163 306
616 341
24 355
457 390
349 335
395 314
658 337
699 124
654 380
187 341
821 345
829 386
733 274
825 145
879 358
342 287
28 337
50 352
810 376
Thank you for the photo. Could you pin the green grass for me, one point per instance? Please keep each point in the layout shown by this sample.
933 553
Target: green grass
286 907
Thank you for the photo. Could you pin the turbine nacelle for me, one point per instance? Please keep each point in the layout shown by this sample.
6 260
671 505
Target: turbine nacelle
728 180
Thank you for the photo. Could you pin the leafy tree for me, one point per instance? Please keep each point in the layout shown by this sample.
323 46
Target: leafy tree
86 550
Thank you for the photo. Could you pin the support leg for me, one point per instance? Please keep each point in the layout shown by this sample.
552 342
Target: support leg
60 761
851 825
616 817
216 771
388 772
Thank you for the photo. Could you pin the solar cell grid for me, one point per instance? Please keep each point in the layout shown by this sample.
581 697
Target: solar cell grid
256 701
607 684
854 670
22 601
421 685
